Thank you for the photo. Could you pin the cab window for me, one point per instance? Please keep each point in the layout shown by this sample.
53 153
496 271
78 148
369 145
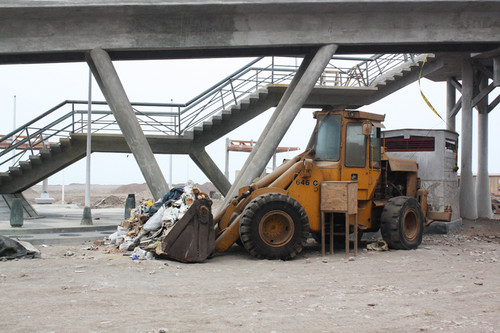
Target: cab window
328 139
355 150
375 155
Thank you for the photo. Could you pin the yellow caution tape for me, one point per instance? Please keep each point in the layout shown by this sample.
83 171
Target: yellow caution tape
422 93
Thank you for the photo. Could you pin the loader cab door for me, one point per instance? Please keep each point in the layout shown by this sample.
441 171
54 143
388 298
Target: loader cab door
327 138
362 158
355 148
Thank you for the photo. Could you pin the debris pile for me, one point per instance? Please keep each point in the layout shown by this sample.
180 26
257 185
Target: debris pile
495 204
111 201
150 223
379 245
14 249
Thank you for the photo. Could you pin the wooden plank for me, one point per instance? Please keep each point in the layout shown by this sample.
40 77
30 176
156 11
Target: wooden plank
339 197
352 198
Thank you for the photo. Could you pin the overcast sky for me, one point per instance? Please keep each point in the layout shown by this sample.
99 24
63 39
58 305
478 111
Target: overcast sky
40 87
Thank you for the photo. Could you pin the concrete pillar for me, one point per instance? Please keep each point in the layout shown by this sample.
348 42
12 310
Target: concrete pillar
285 113
109 82
496 71
210 169
468 208
450 103
45 196
483 194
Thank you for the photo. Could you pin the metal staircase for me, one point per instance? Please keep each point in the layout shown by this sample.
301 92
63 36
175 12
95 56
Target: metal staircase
54 140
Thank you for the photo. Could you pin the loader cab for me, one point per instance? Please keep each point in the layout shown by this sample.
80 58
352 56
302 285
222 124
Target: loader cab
361 146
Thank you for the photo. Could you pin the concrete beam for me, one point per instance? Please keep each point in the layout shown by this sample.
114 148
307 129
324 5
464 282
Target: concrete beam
450 104
241 180
112 89
280 122
468 208
496 71
211 170
456 84
456 107
116 143
57 31
494 104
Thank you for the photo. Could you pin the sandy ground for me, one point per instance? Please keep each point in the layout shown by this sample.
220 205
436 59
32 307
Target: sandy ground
450 284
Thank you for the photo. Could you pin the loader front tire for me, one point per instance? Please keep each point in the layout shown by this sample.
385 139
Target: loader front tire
274 226
402 223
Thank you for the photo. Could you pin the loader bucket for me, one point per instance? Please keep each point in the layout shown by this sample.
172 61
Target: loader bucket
192 238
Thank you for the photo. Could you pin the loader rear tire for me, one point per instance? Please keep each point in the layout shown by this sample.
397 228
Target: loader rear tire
274 226
402 223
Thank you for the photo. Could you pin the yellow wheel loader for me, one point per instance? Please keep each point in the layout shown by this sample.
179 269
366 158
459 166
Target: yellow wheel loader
273 217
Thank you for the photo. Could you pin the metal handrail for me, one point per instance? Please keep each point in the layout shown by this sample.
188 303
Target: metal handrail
178 118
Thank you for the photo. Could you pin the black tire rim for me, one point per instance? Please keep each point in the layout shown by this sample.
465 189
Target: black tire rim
276 228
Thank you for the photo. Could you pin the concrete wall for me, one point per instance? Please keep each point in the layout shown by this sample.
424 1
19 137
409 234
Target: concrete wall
436 169
494 184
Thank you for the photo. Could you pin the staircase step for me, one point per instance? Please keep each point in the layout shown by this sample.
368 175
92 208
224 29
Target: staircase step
55 147
263 92
45 153
235 109
226 114
35 159
25 165
244 104
217 119
65 142
15 171
5 177
197 130
207 125
254 98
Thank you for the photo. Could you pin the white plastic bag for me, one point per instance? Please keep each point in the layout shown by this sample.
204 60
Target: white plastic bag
117 237
154 222
171 215
139 254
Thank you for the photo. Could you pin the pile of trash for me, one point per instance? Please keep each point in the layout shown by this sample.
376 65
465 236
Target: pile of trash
110 201
14 249
150 223
495 204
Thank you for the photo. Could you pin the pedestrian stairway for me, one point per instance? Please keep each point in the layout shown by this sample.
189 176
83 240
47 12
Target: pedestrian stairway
208 117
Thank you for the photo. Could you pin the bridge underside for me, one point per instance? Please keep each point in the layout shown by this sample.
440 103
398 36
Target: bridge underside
60 31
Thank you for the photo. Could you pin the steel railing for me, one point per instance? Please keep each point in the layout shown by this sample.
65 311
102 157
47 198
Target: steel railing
177 118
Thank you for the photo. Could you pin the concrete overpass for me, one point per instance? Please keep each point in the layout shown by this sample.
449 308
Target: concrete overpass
57 31
101 31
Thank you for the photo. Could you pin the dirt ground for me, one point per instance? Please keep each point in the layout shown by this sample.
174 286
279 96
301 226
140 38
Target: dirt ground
450 284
